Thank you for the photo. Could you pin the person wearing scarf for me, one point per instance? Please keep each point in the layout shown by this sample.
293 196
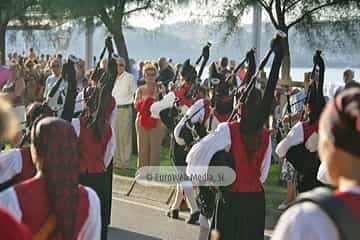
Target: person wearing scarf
149 130
241 214
339 138
60 208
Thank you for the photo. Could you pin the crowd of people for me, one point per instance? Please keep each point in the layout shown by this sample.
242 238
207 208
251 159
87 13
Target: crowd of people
75 125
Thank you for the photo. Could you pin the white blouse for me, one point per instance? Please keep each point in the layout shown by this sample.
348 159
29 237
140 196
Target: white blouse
199 157
91 230
308 221
195 113
165 103
11 164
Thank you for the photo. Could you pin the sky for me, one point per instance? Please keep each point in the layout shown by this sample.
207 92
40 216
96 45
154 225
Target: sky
192 12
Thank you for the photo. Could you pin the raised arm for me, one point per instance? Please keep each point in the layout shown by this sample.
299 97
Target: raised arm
68 73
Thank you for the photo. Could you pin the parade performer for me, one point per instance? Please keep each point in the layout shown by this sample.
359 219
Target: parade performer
324 214
300 145
170 109
56 157
95 129
241 213
203 117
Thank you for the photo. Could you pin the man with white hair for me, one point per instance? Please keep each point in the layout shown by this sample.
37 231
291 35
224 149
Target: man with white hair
123 92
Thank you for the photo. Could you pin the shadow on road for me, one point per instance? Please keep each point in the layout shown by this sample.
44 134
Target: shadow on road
116 233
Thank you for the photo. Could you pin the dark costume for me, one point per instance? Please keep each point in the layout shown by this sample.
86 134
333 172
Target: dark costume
240 213
300 145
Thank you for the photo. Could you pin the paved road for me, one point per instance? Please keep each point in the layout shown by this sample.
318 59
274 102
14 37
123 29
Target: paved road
141 222
132 220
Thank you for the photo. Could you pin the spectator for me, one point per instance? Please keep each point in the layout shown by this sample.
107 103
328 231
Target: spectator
141 77
56 88
134 69
166 74
348 79
149 130
31 55
123 92
4 75
80 75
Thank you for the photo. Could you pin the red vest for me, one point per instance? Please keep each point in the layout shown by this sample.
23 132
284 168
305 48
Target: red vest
28 168
92 149
248 172
309 129
351 200
35 206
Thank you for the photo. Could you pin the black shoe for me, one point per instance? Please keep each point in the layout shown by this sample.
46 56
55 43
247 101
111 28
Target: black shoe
194 218
173 213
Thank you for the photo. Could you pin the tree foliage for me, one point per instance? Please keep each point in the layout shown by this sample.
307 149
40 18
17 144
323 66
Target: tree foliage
286 14
112 13
11 10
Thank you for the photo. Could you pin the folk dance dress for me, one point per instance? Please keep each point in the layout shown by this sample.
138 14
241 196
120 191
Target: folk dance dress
242 213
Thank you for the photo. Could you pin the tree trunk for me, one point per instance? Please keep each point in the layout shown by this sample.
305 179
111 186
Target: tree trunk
286 63
2 43
121 46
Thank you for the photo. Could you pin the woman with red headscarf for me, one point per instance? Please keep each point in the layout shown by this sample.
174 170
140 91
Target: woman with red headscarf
60 207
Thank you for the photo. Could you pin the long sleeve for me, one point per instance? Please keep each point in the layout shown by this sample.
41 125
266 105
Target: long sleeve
10 164
305 221
167 102
91 230
294 137
265 166
199 157
195 113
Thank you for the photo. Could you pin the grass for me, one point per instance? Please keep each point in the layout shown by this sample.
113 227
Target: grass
274 192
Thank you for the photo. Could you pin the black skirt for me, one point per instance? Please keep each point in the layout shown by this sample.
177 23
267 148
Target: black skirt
240 216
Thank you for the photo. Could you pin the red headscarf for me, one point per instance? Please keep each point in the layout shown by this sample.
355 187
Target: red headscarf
341 120
10 229
56 142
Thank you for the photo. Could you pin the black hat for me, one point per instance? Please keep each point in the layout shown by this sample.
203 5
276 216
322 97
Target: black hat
188 72
219 80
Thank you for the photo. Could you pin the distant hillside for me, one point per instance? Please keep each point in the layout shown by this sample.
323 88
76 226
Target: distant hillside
177 41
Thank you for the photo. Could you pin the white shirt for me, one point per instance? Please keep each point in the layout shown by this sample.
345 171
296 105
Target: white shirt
90 230
201 153
196 114
293 138
49 82
60 93
124 89
166 102
307 221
